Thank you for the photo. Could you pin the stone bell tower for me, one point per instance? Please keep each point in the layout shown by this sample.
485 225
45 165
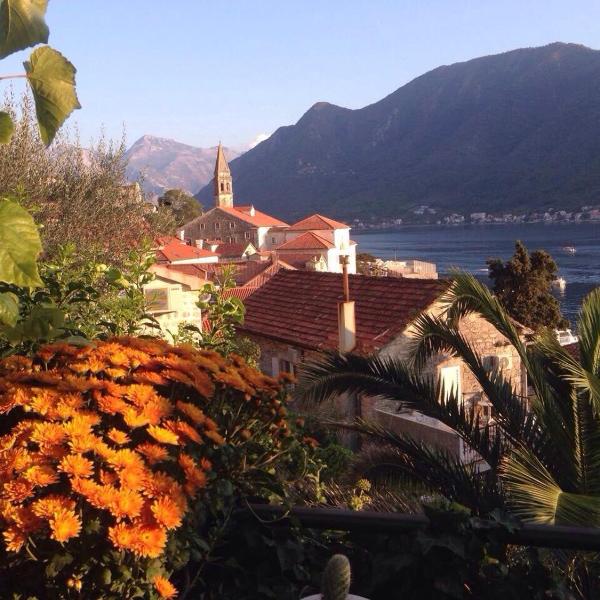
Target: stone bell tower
223 183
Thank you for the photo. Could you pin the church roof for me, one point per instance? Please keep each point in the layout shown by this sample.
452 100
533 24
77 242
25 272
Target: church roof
307 241
221 165
317 221
253 216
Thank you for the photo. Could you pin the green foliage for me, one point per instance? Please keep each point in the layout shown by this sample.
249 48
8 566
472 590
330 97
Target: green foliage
182 205
523 285
336 578
19 245
50 75
52 80
79 297
7 127
22 25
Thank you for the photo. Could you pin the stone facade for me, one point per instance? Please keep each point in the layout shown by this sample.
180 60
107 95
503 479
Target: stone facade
219 225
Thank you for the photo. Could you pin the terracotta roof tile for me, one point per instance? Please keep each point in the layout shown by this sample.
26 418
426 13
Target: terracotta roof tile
258 219
237 249
317 221
309 240
171 249
300 308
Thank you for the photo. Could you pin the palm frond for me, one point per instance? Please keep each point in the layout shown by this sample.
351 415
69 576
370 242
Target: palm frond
394 456
535 495
588 329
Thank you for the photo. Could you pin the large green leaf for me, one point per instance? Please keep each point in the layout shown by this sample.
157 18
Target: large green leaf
20 246
6 127
22 25
52 80
9 308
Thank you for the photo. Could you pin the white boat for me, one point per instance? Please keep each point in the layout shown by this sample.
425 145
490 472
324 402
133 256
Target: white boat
569 249
560 283
566 337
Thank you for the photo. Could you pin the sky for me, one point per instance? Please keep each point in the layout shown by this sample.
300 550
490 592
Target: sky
236 70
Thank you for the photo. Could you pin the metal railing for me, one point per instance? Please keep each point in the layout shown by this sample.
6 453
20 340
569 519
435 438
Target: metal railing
544 536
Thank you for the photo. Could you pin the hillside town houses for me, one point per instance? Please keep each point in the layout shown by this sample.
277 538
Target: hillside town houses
303 297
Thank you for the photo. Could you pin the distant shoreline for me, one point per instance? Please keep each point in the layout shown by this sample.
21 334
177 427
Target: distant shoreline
399 228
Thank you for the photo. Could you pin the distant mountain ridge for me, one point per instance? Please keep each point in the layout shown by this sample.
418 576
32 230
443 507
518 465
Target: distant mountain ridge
166 164
518 130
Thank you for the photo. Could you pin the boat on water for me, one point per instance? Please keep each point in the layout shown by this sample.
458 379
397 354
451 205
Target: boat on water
560 283
566 337
569 249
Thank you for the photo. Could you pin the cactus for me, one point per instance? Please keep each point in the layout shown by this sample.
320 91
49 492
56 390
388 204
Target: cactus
336 578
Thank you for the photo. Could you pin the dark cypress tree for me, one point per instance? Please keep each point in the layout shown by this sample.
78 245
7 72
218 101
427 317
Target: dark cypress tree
524 286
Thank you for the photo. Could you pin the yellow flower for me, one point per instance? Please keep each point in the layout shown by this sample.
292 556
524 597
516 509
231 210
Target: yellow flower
121 535
126 458
77 465
164 587
64 524
48 433
167 512
164 436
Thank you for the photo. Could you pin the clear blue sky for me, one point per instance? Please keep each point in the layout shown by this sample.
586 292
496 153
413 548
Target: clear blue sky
200 71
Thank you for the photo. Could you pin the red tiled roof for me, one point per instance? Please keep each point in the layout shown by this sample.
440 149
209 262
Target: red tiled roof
309 240
259 219
198 270
240 292
171 249
317 221
232 249
300 308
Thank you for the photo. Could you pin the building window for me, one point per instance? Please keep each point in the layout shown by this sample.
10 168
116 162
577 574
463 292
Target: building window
286 366
231 224
202 225
217 225
247 235
222 186
272 240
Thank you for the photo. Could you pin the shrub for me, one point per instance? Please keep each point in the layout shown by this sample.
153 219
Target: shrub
105 456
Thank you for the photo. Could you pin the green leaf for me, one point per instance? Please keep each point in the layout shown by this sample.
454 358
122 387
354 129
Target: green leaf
9 308
7 127
22 25
20 246
52 80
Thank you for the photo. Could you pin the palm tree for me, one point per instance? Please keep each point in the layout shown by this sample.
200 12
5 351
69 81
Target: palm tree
543 460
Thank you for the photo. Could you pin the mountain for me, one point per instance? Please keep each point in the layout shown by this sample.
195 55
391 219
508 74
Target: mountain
165 164
513 131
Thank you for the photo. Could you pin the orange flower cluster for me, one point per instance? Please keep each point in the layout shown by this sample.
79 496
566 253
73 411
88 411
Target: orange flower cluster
115 430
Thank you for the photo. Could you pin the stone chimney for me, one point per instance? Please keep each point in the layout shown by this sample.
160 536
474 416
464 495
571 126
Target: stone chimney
346 317
181 235
252 211
199 244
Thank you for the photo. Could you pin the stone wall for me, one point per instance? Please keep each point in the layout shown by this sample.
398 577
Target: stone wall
219 225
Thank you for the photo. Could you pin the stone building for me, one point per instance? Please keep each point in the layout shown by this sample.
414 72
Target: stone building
296 316
315 242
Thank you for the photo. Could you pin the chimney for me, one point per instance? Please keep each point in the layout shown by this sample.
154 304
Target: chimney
252 211
199 244
181 235
346 317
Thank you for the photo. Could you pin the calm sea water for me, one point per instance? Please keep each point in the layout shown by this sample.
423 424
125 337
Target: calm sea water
468 247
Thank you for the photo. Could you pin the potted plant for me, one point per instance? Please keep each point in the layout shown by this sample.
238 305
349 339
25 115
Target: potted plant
336 581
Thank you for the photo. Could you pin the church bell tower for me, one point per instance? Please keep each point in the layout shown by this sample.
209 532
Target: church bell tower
223 183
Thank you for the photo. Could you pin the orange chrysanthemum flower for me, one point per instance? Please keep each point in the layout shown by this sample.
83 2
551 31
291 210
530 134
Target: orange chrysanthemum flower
217 438
167 512
184 429
17 491
192 412
127 503
164 587
46 507
41 475
122 536
64 524
134 418
126 458
133 477
153 452
149 541
14 538
108 477
118 436
111 405
77 465
162 435
48 433
140 394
